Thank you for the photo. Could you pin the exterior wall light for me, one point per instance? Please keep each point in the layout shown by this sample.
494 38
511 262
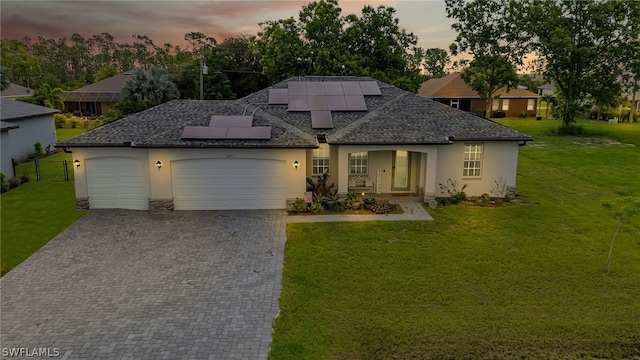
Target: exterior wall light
76 162
159 164
296 164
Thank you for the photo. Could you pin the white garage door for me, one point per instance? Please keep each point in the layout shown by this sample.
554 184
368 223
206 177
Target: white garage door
117 183
226 184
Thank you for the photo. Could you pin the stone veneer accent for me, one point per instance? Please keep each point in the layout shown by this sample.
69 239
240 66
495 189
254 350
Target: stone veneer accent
511 190
160 206
82 203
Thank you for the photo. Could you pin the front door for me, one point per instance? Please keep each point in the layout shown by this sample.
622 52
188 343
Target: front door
400 171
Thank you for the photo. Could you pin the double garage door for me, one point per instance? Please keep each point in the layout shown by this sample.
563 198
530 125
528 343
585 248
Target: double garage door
226 184
201 184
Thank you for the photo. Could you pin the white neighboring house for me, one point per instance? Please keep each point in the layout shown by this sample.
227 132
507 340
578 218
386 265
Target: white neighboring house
23 125
258 151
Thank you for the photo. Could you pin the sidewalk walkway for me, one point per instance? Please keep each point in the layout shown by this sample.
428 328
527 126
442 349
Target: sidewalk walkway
412 206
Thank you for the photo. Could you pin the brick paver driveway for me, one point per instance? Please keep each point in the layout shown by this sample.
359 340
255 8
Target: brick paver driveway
129 284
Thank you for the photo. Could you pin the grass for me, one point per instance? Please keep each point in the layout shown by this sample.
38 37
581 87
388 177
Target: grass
518 281
64 133
33 214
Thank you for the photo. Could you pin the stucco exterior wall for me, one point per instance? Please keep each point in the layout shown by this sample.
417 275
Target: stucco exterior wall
499 159
21 140
5 151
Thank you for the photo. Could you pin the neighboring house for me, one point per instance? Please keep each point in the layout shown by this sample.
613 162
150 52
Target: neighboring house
15 91
258 151
547 89
453 91
95 99
23 125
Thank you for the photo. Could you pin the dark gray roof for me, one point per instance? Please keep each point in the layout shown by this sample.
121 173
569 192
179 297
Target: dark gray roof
14 110
394 117
15 90
5 125
107 90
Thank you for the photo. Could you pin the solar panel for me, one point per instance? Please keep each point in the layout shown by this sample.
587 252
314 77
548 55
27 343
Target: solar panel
351 88
315 88
370 88
297 88
298 103
253 132
278 96
336 103
321 120
333 88
317 102
232 120
204 132
355 103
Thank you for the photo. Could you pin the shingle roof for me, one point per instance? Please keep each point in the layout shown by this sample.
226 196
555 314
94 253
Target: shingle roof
5 125
395 117
15 110
452 86
15 90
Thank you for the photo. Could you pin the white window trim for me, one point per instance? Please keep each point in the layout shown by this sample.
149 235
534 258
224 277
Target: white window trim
321 154
472 160
531 103
362 155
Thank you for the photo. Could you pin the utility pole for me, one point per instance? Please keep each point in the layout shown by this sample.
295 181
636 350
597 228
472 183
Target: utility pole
203 71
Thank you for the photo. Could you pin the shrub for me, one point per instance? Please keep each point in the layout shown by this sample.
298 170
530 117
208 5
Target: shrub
451 189
484 199
24 178
37 149
299 206
4 184
381 207
14 182
499 114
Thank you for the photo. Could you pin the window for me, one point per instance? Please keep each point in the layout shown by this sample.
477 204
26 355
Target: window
530 104
320 159
494 104
454 103
359 163
472 160
505 104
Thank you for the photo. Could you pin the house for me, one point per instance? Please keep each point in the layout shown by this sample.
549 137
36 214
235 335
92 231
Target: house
258 151
15 91
547 89
23 125
453 91
95 99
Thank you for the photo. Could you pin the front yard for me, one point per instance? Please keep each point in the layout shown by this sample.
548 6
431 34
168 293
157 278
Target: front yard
518 281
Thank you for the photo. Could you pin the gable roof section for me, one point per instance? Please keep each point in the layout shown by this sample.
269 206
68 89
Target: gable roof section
6 126
393 117
452 86
15 110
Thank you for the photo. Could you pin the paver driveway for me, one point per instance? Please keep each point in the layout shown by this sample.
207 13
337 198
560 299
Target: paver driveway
129 284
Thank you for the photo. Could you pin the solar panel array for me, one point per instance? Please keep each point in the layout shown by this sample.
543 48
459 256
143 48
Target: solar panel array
232 127
323 97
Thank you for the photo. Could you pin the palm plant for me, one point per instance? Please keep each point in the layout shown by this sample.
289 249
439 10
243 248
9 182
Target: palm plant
50 97
153 86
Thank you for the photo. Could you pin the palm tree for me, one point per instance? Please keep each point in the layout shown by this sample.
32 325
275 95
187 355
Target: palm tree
153 86
50 97
4 78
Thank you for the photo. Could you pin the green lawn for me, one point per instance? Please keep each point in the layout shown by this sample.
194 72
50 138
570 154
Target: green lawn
519 281
33 214
64 133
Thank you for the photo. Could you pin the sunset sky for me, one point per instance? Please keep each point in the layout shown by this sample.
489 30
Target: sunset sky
168 21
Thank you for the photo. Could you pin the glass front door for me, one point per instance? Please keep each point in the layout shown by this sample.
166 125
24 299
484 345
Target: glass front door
400 171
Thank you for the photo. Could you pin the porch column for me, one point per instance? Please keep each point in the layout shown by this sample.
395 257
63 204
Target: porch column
430 176
343 169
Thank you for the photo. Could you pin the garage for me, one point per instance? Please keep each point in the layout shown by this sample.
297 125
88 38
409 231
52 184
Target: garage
117 183
228 184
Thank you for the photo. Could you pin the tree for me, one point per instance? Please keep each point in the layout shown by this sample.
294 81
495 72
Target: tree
323 42
50 97
492 32
583 46
106 72
240 61
4 78
153 86
435 62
